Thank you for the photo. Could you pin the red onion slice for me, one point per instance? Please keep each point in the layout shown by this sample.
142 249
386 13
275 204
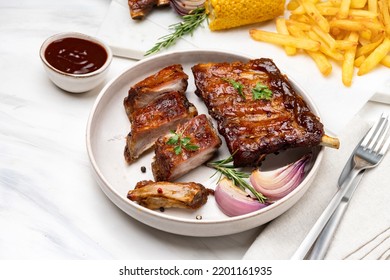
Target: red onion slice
233 201
184 7
277 183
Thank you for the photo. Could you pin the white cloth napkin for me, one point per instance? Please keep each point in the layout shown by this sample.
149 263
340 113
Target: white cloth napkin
364 232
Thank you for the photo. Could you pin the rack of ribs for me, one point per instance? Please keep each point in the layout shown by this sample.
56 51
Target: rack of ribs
254 127
140 8
156 195
155 106
173 159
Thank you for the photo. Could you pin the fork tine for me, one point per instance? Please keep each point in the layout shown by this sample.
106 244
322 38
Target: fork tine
371 134
385 146
382 139
377 144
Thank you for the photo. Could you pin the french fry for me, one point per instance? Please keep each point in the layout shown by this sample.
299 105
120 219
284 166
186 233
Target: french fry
368 48
366 34
358 4
346 24
284 40
372 6
345 44
313 12
344 8
325 37
292 5
324 48
362 13
281 27
385 16
375 57
301 25
327 10
386 61
359 61
353 32
302 18
321 61
349 61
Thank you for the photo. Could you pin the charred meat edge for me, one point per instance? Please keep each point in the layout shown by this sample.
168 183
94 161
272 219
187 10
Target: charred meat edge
156 195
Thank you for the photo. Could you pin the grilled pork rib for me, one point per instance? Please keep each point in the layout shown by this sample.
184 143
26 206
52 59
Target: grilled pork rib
154 195
156 119
140 8
170 78
253 127
169 165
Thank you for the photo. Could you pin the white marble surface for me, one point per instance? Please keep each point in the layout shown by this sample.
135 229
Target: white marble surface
50 205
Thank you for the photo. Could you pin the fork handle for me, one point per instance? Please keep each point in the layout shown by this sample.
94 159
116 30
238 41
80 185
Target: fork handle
315 231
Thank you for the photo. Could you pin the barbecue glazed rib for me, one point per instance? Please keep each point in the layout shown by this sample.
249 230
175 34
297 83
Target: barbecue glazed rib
154 195
169 164
253 127
170 78
140 8
156 119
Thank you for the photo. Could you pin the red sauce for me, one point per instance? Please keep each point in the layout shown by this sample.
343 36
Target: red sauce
75 56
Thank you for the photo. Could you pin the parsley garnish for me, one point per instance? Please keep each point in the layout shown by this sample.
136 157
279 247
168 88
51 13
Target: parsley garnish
179 142
261 92
236 85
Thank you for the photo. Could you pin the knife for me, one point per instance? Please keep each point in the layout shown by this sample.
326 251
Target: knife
321 246
323 241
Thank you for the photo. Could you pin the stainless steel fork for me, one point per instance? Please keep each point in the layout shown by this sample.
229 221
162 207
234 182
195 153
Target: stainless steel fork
367 155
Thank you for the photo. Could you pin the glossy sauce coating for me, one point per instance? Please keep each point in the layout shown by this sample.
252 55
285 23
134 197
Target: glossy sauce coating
75 56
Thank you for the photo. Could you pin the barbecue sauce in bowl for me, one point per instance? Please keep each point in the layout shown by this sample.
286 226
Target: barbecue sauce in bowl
75 55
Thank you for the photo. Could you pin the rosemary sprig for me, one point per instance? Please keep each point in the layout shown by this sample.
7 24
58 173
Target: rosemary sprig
187 26
179 142
238 177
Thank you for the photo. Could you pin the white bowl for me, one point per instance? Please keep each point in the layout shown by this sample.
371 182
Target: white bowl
108 126
75 82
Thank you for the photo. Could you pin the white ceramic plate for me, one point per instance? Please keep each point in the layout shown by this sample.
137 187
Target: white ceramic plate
108 126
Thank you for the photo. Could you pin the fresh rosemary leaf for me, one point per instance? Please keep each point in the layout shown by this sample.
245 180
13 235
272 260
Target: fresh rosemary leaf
187 26
238 177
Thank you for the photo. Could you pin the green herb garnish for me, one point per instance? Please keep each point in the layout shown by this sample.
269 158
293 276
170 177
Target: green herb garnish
179 142
187 26
237 86
261 92
238 177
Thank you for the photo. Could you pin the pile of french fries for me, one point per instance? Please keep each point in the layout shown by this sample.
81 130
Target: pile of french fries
354 33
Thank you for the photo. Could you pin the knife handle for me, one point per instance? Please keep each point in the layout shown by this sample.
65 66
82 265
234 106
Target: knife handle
322 244
316 230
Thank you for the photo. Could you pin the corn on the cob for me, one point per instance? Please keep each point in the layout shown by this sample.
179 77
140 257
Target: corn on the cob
225 14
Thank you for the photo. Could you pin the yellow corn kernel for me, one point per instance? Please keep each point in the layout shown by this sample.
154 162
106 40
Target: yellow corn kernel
225 14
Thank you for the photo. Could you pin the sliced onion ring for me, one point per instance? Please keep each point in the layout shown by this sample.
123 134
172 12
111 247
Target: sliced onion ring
277 183
184 7
233 201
